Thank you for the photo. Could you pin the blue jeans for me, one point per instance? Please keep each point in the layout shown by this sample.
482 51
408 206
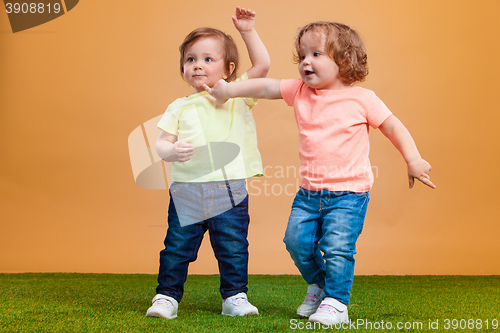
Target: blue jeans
228 236
321 238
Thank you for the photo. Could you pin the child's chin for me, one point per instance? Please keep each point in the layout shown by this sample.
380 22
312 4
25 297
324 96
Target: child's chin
309 83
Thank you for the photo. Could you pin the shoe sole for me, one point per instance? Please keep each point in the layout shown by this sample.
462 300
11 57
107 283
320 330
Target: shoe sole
318 320
305 314
159 315
240 315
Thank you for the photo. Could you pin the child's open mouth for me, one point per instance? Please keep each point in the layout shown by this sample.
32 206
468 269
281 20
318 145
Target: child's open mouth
308 73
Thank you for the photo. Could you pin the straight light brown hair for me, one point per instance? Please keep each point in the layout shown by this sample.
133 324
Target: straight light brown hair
230 50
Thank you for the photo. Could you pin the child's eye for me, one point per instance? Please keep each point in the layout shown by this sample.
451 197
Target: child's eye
302 57
317 54
208 59
190 59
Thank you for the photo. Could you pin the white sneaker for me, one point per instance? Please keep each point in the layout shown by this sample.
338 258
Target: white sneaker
330 312
163 307
312 301
238 305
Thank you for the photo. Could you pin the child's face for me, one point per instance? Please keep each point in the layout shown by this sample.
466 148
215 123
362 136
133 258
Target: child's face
316 68
204 63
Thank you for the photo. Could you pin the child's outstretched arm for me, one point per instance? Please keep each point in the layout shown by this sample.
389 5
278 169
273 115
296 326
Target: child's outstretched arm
244 21
418 168
255 88
172 150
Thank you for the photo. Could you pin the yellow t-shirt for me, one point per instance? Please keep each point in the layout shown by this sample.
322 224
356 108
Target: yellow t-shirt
224 138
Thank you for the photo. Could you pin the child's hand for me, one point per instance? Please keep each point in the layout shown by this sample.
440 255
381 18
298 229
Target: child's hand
219 91
182 151
244 19
420 169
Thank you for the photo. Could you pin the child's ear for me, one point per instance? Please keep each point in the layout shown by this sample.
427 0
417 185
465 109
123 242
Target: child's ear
231 69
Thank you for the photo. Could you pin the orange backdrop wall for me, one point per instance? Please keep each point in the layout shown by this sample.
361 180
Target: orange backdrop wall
73 89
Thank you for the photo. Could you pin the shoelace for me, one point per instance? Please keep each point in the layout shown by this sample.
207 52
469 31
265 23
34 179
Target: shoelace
311 298
326 308
163 301
239 300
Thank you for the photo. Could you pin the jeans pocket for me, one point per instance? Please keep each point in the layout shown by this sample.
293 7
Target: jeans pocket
238 190
176 187
173 188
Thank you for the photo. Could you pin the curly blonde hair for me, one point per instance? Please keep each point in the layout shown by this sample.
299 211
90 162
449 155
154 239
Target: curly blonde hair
343 45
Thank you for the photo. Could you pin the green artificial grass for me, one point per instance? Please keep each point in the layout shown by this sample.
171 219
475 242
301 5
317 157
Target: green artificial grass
59 302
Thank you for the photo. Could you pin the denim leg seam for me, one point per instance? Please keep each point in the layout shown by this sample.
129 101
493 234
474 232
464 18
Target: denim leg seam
348 220
319 265
234 271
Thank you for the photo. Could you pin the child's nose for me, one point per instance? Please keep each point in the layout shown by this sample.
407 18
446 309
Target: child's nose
198 65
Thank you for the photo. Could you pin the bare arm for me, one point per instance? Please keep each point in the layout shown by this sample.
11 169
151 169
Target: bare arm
244 21
397 133
255 88
172 150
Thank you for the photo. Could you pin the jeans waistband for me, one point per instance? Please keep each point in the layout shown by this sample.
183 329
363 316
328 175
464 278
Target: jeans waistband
303 191
217 184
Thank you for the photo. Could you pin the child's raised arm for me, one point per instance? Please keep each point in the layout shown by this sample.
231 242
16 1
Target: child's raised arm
244 21
397 133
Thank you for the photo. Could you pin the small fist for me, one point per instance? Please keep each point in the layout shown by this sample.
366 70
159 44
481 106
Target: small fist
182 151
219 91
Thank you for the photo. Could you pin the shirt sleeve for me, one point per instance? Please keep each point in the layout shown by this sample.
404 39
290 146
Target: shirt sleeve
377 111
170 121
289 89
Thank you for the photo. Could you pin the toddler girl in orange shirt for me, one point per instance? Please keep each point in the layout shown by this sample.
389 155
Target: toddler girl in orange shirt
333 118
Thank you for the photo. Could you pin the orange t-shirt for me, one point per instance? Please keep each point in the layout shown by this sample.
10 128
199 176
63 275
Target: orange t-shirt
333 134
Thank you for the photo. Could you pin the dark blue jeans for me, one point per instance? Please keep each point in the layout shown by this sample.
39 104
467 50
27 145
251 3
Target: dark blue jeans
228 236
